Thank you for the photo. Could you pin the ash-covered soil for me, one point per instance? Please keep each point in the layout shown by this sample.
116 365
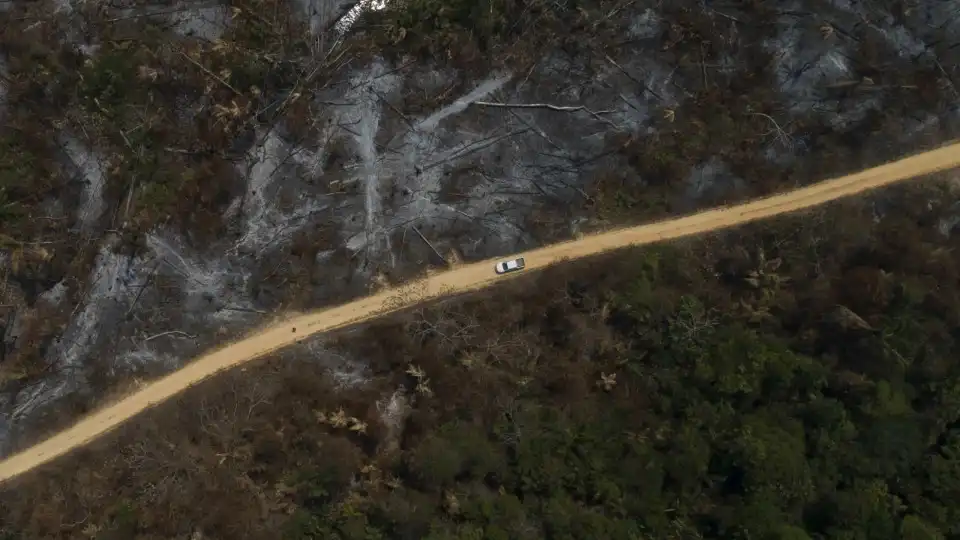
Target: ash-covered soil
174 174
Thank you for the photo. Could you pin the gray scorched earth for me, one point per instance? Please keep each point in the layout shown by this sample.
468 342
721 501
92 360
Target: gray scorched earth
411 162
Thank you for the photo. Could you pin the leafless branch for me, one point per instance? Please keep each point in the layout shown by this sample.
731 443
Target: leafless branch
146 283
393 108
210 73
631 77
424 238
243 310
782 136
471 149
169 333
558 108
947 78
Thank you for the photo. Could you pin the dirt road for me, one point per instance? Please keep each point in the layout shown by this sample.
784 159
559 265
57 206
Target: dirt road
460 279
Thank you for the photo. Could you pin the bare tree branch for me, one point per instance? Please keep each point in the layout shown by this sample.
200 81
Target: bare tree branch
558 108
170 333
470 149
782 135
210 73
424 238
632 78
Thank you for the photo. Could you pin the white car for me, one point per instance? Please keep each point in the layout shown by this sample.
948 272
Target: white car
513 265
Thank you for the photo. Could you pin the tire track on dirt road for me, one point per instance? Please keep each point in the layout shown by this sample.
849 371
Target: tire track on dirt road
458 280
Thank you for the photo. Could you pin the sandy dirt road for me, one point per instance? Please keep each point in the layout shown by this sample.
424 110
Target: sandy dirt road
462 279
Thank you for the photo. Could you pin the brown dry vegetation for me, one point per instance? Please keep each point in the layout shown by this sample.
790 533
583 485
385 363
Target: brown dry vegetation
173 115
664 355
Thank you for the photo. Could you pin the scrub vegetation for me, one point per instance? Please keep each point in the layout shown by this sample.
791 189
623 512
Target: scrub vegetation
788 380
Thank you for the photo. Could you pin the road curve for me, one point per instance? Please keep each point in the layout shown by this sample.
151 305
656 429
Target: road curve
461 279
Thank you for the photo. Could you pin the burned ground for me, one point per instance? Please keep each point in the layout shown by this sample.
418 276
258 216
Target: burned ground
790 379
174 174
